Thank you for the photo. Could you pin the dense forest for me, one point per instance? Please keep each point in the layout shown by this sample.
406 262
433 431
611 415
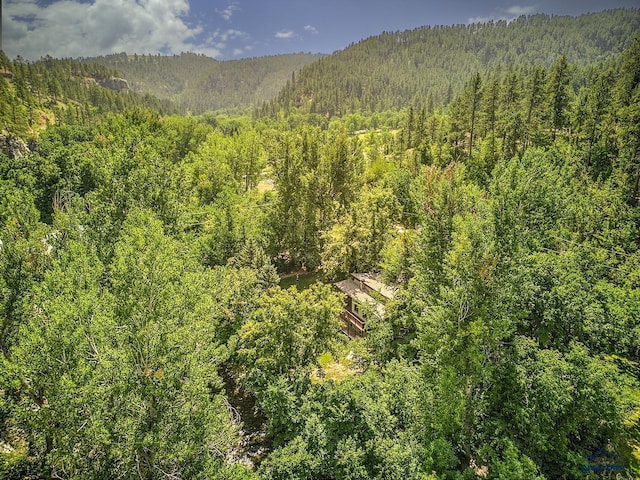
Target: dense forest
35 95
145 330
197 83
429 65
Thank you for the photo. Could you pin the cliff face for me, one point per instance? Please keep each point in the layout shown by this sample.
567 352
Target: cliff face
114 83
12 146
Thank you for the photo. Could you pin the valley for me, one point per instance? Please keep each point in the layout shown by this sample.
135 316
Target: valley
181 240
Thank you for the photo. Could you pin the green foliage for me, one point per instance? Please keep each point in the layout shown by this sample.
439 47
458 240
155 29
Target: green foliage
114 378
288 331
427 65
197 83
355 242
515 465
566 396
36 95
143 334
317 175
23 257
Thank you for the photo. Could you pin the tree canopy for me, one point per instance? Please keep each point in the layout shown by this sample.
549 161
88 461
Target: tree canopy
144 332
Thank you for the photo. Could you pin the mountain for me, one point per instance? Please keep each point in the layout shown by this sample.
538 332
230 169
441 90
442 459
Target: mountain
197 83
143 333
428 65
35 95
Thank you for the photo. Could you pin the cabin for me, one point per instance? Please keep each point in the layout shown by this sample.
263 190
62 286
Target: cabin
365 296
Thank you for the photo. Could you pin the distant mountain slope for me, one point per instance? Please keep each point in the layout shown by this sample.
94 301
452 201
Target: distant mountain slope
34 95
159 75
198 83
430 64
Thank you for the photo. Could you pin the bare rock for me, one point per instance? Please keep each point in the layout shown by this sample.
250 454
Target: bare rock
115 83
12 146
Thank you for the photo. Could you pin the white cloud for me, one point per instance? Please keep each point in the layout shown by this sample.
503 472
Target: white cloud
285 34
73 28
229 34
518 10
310 29
228 12
237 51
508 14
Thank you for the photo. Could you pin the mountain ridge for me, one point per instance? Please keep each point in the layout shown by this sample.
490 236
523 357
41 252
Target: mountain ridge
197 83
428 65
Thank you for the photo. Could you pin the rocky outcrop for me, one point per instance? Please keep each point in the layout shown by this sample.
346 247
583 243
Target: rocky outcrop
114 83
12 146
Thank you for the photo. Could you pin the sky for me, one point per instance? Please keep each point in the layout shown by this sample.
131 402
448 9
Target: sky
231 29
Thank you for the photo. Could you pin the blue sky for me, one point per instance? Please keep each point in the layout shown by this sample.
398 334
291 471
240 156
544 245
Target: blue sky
241 28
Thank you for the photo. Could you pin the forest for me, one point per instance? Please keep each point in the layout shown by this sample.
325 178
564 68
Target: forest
429 65
197 83
146 330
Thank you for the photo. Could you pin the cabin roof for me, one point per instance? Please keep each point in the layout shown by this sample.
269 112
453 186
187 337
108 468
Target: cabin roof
352 289
372 281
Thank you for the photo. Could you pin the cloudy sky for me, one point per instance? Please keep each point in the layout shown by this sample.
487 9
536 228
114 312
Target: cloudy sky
228 29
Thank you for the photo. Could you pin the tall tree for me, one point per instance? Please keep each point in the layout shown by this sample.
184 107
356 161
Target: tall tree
535 106
166 382
558 95
627 102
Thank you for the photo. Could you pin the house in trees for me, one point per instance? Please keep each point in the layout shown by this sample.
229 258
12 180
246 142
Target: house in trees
365 296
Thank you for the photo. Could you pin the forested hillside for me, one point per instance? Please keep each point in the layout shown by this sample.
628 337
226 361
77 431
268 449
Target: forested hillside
35 95
144 332
429 65
197 83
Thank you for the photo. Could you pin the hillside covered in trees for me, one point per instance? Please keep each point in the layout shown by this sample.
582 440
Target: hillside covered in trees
35 95
428 66
197 83
144 332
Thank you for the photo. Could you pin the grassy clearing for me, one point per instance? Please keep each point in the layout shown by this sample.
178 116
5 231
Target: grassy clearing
332 370
301 282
